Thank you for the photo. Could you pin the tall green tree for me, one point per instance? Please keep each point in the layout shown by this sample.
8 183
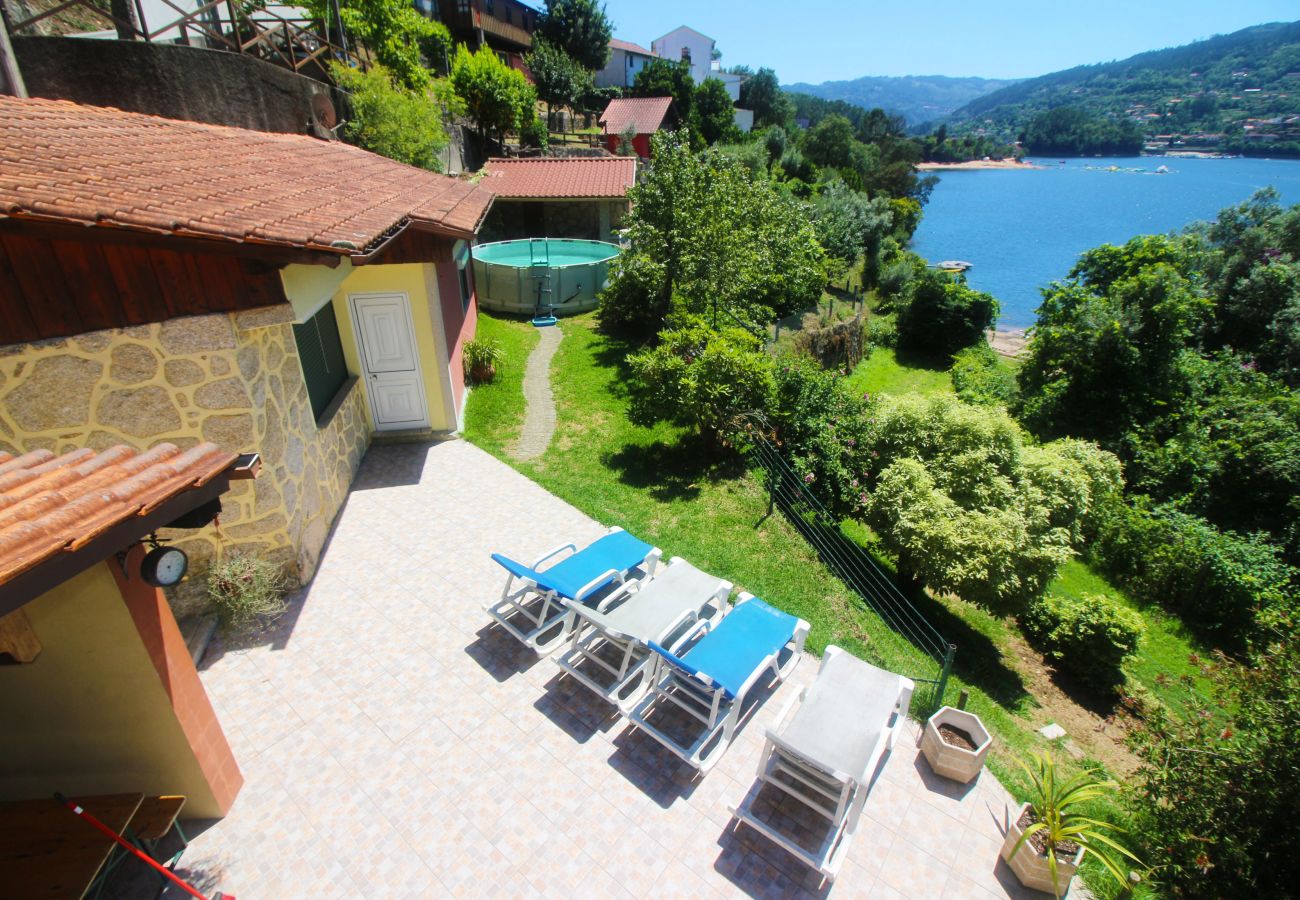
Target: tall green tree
558 77
762 93
580 28
714 115
393 31
661 78
709 240
497 98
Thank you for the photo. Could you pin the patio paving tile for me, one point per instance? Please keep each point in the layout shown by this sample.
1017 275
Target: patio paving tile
394 745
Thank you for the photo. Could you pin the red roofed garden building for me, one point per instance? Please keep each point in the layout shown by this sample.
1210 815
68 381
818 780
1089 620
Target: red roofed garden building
637 118
559 197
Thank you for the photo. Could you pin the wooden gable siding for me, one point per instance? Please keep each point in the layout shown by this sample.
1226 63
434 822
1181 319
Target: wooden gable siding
55 288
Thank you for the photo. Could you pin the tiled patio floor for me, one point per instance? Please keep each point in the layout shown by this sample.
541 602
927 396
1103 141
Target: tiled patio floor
395 746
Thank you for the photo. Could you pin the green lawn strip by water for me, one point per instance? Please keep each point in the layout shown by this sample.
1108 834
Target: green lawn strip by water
883 372
495 411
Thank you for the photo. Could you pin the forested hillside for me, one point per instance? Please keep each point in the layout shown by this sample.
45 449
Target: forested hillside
1237 93
917 98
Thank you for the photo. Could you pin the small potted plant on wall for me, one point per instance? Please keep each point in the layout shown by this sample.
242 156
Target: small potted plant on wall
954 743
1048 837
482 359
245 589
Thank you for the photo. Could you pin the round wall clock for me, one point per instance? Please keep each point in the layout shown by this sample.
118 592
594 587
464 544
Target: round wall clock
164 566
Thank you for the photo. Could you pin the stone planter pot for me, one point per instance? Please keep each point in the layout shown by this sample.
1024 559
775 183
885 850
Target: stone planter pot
952 762
1030 867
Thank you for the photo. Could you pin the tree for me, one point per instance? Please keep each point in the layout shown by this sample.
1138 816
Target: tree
559 79
714 115
661 78
1072 131
722 244
939 314
578 27
1217 793
702 378
967 504
386 119
762 93
497 98
848 224
392 30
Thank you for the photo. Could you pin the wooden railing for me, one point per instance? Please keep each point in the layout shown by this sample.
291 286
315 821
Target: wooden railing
294 43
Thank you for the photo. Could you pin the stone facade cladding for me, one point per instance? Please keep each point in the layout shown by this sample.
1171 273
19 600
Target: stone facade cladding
230 378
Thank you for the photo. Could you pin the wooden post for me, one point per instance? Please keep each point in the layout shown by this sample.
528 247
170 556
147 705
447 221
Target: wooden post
962 699
11 79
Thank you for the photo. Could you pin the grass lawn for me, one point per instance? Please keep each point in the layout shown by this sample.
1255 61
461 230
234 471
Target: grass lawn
658 483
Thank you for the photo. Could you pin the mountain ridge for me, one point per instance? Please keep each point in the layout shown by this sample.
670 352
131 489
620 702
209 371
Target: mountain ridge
918 98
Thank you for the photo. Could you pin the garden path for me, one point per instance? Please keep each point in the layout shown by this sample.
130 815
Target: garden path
539 416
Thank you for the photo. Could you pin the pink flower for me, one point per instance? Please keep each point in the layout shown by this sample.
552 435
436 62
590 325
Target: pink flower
809 478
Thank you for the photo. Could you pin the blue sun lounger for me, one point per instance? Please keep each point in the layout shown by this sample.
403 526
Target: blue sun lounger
709 681
531 607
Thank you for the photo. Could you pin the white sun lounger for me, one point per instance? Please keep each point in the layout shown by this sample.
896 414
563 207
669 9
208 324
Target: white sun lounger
825 755
531 607
610 652
709 681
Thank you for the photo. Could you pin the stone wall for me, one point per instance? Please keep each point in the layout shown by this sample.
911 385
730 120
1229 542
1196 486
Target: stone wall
592 220
230 378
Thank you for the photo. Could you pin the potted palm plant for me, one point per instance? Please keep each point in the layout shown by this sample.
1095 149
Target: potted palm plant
481 360
1048 837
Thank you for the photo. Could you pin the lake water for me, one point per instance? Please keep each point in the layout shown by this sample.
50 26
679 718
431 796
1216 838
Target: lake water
1023 229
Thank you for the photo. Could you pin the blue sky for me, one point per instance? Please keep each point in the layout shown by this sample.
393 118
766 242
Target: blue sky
841 39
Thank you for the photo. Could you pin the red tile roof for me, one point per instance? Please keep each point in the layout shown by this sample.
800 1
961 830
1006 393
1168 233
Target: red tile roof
616 44
49 504
63 162
574 176
644 114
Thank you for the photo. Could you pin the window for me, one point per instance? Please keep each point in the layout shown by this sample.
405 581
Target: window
510 16
321 355
686 54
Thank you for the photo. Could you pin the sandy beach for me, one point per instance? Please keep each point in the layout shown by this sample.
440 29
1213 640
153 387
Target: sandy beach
976 164
1008 341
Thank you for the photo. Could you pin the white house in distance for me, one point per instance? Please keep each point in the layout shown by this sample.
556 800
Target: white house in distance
626 59
688 44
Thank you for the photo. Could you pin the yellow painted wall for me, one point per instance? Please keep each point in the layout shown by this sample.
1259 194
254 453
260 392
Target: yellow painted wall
89 715
418 282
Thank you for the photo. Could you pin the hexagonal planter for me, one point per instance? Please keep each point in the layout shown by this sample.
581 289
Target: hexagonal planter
1030 866
956 763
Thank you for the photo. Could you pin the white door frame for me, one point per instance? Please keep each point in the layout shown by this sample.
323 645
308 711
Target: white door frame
367 375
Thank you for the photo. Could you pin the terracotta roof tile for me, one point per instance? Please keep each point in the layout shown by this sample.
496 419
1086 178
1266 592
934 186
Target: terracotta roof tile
53 503
573 176
100 166
644 114
616 44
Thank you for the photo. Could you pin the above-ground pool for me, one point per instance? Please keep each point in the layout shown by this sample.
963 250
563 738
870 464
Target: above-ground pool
537 276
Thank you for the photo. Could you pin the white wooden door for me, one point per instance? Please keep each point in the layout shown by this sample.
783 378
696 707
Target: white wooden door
390 360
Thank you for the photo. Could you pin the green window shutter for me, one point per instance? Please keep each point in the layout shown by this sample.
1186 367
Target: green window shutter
321 353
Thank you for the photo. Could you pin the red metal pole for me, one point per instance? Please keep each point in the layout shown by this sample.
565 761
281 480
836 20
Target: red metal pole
134 850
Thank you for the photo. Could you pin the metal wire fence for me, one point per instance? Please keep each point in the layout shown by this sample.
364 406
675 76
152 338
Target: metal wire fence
855 567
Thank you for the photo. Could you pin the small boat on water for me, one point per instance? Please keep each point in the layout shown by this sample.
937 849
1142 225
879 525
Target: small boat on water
953 265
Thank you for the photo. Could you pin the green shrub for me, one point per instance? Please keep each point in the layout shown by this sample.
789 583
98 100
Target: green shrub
244 588
635 303
980 376
702 378
821 427
391 120
1089 637
939 314
894 277
1220 583
882 331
